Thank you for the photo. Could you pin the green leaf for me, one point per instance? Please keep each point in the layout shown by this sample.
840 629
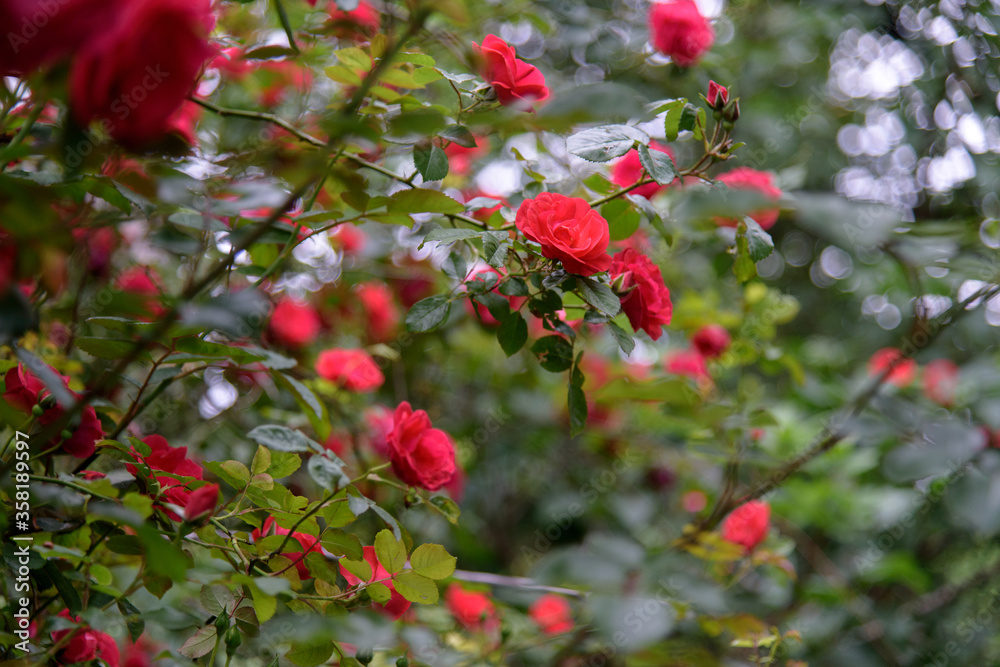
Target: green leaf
600 296
343 544
658 165
432 163
622 337
689 115
577 403
600 184
283 464
759 242
432 561
460 135
310 654
512 334
217 599
105 348
495 248
390 551
420 200
447 507
672 119
554 352
415 587
328 471
200 644
133 618
162 557
428 314
600 144
498 306
447 235
282 439
623 219
359 567
237 471
354 58
744 266
514 286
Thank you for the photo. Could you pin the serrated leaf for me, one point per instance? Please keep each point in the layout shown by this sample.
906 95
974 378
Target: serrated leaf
344 544
460 135
600 296
200 644
133 618
432 561
554 353
432 163
600 144
512 333
217 599
622 337
105 348
577 403
672 119
282 439
360 568
428 314
420 200
237 471
658 165
448 508
390 552
623 219
310 654
447 235
328 471
283 464
415 587
378 592
495 248
759 243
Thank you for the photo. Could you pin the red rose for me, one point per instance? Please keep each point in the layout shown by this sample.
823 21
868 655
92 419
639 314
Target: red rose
380 309
475 611
184 122
747 524
568 229
164 458
903 370
145 282
35 35
202 502
363 19
348 238
552 614
717 95
354 370
647 301
24 391
688 363
294 324
941 381
628 170
421 456
139 67
516 82
746 178
680 31
461 158
397 604
85 645
711 341
379 420
304 541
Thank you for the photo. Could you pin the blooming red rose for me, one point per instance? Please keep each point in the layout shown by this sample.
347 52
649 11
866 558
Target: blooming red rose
474 610
139 67
711 340
688 363
941 381
647 301
747 524
380 309
294 324
745 178
85 645
678 29
354 370
397 604
379 420
568 229
362 20
717 95
23 390
552 613
421 456
627 170
516 82
202 502
306 543
903 370
164 458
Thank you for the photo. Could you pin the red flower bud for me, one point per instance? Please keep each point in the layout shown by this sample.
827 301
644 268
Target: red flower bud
717 95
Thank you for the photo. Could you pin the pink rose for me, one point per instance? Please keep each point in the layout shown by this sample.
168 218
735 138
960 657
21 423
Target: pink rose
678 30
516 82
568 230
647 301
688 363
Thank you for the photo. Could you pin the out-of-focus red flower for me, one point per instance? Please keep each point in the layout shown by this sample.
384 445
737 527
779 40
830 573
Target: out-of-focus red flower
747 524
516 83
903 371
354 370
646 301
143 281
8 262
688 363
485 213
294 324
474 610
694 501
140 654
711 341
99 243
306 543
202 502
627 170
280 77
421 455
380 422
184 122
349 238
461 158
163 458
745 178
941 381
380 310
397 604
359 22
85 645
568 230
552 614
482 312
230 62
678 30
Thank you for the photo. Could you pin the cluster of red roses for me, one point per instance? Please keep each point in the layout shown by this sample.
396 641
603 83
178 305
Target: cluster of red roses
84 644
171 471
